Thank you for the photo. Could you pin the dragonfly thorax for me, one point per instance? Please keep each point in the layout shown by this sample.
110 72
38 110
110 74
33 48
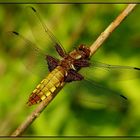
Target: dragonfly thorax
67 63
76 59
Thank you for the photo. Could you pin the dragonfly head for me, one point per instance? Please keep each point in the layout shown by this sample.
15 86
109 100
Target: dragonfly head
82 52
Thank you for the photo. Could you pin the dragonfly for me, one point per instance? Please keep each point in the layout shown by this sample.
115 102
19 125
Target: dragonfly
64 70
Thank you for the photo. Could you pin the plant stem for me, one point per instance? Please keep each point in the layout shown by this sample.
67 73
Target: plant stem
106 33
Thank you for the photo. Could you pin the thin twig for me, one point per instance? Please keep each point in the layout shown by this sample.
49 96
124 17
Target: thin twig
104 35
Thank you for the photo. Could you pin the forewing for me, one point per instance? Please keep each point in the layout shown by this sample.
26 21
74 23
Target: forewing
41 32
111 73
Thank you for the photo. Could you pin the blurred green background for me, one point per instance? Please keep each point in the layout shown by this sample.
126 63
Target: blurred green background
68 114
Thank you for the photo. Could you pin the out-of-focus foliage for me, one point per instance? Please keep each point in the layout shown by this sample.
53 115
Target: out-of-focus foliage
68 114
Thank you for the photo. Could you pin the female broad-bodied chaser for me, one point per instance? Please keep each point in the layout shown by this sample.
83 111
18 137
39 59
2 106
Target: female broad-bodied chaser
65 70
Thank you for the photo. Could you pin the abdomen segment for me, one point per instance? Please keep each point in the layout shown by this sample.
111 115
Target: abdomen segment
47 86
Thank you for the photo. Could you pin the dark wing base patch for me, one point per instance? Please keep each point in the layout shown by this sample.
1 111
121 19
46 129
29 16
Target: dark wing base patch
52 62
73 76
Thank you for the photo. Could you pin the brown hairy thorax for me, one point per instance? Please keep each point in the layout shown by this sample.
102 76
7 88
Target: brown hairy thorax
76 59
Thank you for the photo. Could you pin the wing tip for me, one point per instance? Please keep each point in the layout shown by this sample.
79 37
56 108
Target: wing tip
33 8
14 32
136 68
123 97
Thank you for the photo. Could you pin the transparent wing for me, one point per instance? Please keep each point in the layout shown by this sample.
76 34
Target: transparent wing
93 95
32 57
42 33
102 71
104 91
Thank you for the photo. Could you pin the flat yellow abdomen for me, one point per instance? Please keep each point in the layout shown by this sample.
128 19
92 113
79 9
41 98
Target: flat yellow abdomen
47 86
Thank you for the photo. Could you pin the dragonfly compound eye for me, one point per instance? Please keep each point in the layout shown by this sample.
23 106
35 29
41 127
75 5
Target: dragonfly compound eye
85 52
